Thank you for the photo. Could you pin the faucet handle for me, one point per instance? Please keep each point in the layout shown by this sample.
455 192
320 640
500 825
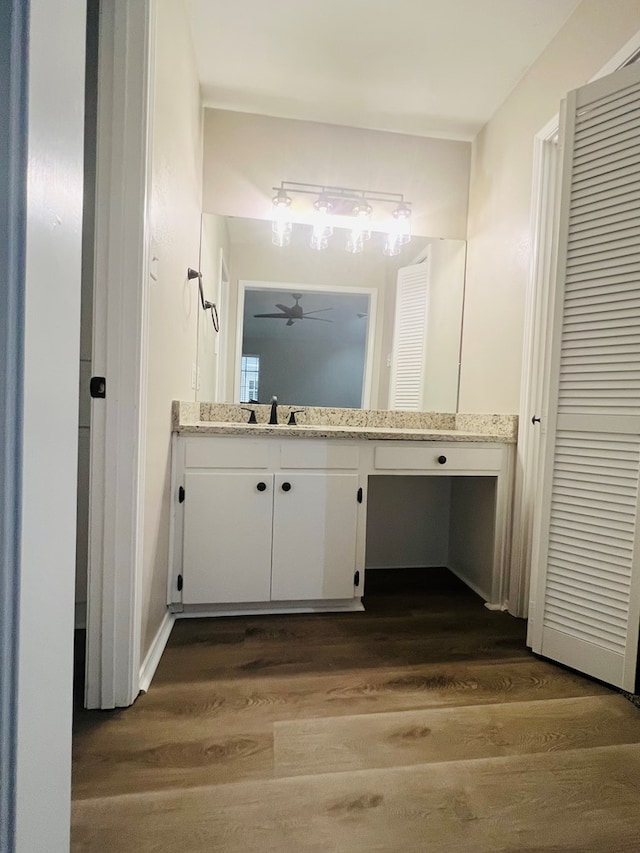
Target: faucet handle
252 416
292 416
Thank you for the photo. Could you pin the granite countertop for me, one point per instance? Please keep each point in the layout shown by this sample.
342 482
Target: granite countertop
315 422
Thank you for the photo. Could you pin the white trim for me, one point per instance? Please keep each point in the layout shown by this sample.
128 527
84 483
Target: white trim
623 57
540 287
539 302
371 292
269 608
157 647
221 346
118 428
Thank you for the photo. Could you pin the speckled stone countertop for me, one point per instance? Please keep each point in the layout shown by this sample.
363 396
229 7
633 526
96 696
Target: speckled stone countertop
315 422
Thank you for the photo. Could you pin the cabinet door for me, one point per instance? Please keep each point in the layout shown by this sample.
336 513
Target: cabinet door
314 536
227 537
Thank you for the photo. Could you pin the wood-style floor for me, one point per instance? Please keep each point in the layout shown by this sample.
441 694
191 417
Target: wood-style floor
423 724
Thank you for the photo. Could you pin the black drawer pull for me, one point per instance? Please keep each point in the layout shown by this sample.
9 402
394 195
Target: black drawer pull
261 487
442 459
286 487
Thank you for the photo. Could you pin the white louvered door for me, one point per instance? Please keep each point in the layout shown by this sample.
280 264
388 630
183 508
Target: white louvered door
587 601
409 338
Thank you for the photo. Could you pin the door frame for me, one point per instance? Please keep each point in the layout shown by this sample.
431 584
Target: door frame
534 390
120 352
14 38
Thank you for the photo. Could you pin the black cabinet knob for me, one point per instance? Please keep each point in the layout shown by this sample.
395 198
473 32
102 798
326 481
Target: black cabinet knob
442 459
286 487
261 487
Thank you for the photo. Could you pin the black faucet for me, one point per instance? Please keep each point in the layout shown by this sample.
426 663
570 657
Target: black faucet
273 417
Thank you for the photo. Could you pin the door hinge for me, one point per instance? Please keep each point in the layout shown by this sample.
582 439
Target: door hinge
356 579
98 387
360 495
181 495
179 583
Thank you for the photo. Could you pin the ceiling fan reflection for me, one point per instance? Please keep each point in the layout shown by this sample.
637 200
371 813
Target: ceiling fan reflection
294 312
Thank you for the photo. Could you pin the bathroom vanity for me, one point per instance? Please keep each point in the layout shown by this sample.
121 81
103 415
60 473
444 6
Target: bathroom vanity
274 518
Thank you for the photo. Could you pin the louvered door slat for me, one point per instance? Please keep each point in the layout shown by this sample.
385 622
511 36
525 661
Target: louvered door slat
589 594
601 141
605 191
621 207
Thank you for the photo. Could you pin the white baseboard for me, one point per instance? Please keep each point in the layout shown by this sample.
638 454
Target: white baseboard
152 658
269 608
81 615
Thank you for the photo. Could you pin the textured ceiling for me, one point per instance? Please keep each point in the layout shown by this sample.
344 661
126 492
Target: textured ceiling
425 67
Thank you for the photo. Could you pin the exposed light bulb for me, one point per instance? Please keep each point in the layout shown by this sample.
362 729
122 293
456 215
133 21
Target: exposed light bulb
361 229
281 233
281 226
392 245
355 241
400 231
322 228
402 216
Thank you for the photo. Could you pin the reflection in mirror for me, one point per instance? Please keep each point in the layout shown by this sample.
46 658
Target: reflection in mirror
244 248
307 347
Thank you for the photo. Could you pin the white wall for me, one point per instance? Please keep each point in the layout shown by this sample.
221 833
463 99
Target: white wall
444 313
246 155
407 522
175 205
50 426
499 251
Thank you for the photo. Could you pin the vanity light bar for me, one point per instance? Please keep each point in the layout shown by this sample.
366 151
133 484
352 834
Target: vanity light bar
341 201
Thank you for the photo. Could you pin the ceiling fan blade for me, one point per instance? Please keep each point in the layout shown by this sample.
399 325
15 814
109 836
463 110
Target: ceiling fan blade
317 311
275 316
289 322
285 308
321 319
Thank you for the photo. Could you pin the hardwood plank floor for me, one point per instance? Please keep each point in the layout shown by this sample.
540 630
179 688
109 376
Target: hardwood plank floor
421 724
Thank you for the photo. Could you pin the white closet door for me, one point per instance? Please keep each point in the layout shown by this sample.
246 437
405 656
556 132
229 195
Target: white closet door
587 603
409 337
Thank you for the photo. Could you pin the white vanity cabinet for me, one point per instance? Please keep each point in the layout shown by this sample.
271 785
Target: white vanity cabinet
282 523
264 521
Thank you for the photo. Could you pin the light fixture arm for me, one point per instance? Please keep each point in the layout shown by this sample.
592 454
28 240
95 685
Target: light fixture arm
348 193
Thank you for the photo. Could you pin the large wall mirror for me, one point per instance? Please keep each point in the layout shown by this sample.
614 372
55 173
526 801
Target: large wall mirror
341 358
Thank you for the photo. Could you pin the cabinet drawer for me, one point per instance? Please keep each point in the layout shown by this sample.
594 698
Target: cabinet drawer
433 457
209 452
325 455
